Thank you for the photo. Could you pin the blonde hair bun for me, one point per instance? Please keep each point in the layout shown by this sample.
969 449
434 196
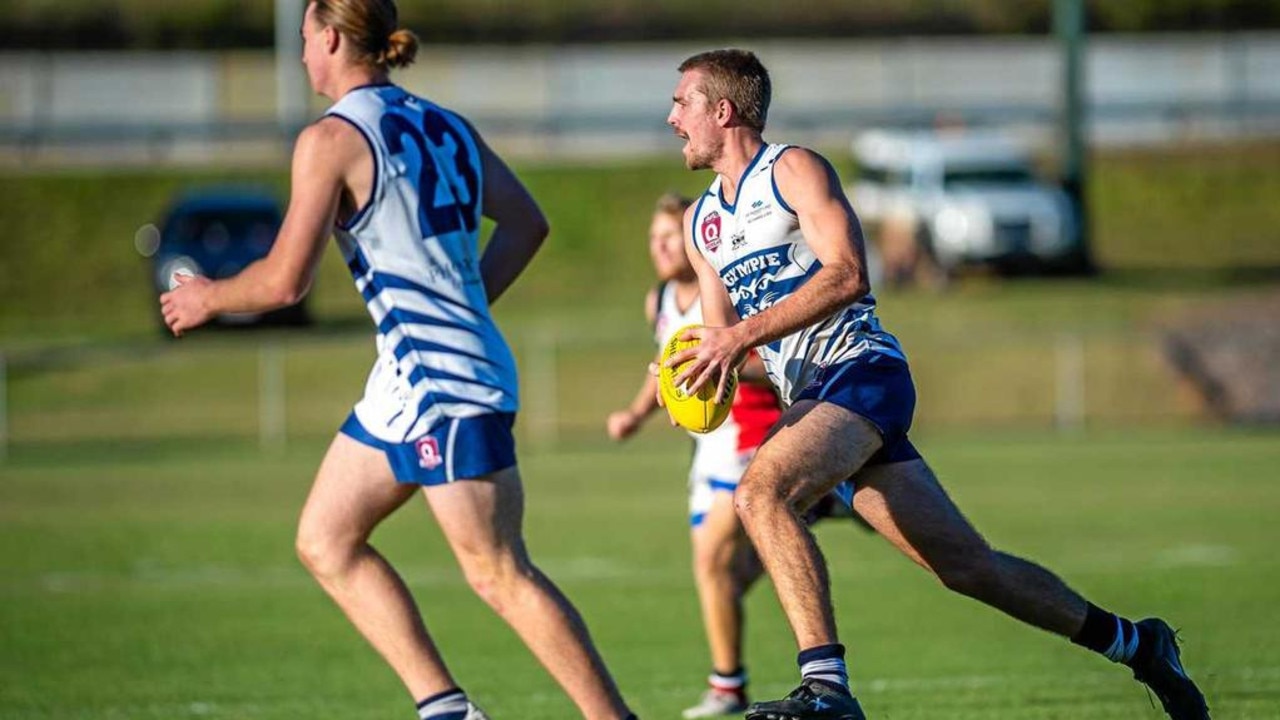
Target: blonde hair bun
402 49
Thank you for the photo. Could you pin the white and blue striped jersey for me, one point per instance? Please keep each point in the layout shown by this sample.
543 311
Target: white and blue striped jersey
413 251
756 246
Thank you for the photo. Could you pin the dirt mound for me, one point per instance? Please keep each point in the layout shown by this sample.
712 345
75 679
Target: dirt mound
1230 352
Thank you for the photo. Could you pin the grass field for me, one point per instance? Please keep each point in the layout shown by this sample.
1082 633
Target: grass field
83 292
1205 209
146 563
157 580
577 368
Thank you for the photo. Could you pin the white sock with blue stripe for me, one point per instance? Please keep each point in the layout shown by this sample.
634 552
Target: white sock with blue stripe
448 705
825 663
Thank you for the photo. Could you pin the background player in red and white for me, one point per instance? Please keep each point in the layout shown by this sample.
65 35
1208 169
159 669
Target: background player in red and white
724 563
780 261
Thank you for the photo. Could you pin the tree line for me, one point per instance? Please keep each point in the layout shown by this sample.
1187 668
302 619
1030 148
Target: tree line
203 24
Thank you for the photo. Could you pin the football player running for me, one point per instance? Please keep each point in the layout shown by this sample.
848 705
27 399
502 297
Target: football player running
403 184
781 266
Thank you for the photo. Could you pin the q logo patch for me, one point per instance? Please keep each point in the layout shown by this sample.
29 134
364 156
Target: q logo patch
429 453
711 231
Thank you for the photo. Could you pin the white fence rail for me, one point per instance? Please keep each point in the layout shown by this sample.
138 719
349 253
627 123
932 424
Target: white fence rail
590 99
278 389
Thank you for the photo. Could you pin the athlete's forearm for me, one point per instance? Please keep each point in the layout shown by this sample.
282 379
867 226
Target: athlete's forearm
511 248
260 287
645 401
831 289
717 311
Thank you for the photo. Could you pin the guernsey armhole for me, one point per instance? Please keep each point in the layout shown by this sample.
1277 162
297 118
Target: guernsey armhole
363 211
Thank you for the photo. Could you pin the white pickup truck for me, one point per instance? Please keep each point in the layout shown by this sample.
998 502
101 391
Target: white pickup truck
969 198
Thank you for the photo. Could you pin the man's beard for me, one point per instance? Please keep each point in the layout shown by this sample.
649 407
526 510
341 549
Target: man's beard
706 159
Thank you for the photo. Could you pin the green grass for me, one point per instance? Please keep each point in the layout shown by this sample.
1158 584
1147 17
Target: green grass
146 565
1197 207
1198 210
577 368
156 579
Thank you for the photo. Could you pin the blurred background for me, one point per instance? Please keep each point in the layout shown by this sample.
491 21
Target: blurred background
1128 151
1073 217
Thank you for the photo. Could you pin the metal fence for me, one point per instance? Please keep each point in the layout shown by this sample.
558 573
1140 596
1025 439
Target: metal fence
589 100
279 388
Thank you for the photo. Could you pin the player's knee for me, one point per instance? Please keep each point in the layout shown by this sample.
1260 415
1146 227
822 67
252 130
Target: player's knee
495 577
488 586
744 504
322 555
713 564
751 498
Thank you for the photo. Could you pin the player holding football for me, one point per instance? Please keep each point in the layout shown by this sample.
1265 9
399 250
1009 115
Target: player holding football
403 184
780 261
725 566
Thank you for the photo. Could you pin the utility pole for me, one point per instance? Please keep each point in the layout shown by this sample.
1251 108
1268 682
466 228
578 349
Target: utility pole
1069 26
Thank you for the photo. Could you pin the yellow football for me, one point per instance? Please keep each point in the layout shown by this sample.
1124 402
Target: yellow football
699 412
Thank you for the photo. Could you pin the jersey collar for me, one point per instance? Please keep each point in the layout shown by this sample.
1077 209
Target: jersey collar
738 192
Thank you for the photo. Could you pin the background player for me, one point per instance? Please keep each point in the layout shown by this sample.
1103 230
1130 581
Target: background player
780 262
404 183
724 563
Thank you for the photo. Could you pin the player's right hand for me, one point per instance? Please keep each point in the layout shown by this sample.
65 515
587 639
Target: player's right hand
655 370
184 307
622 424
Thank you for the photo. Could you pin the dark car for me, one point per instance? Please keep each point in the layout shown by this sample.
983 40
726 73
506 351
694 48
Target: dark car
217 233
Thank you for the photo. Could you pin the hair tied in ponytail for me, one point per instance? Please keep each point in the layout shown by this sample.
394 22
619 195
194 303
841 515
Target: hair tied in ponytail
402 49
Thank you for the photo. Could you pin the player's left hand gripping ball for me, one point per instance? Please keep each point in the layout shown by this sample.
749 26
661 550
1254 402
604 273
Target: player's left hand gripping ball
698 412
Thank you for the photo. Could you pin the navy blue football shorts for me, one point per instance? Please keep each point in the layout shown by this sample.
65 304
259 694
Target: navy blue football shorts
879 388
454 449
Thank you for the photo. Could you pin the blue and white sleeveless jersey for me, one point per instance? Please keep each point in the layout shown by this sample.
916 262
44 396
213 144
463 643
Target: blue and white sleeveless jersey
756 246
413 251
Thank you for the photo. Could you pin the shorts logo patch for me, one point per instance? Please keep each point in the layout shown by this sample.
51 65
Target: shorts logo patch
429 453
819 375
711 231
